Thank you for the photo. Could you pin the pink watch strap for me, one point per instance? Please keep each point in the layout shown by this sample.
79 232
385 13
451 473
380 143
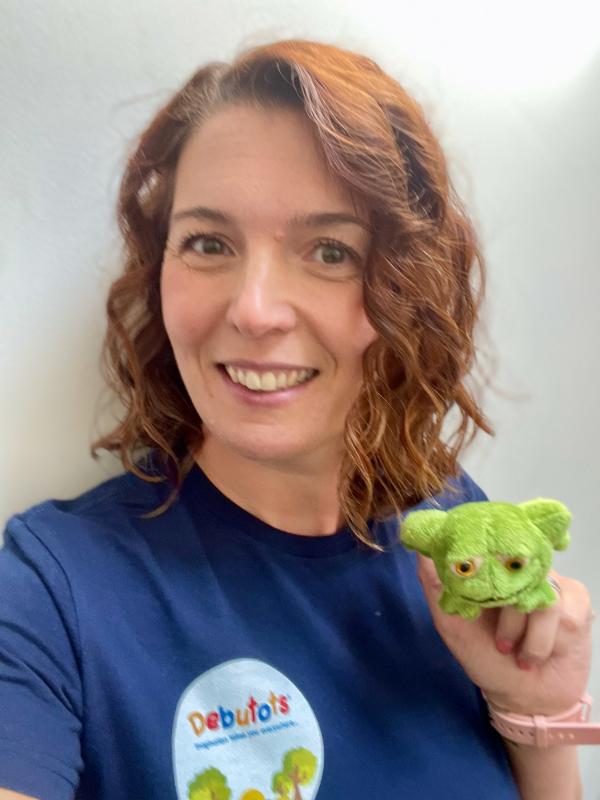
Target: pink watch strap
570 727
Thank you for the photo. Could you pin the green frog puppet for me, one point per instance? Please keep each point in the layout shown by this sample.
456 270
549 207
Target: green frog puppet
491 554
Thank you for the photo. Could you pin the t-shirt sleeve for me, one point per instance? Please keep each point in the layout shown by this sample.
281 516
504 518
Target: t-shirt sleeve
40 679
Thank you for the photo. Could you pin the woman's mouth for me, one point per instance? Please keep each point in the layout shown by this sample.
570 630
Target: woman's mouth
268 380
266 388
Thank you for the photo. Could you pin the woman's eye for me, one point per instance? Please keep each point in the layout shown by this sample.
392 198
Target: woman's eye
203 244
466 566
334 252
513 563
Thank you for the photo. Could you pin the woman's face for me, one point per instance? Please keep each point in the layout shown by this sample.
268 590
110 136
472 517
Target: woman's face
248 282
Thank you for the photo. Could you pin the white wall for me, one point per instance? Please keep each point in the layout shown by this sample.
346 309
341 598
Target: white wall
513 92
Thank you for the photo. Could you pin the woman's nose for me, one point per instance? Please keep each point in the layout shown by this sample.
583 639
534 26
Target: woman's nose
261 298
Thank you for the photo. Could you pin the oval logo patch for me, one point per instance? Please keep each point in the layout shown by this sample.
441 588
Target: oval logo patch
243 731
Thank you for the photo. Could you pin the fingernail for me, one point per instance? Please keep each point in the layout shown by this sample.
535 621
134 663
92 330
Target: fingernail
522 664
504 645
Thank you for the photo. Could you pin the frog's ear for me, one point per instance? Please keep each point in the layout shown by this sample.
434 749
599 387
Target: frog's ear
552 518
420 529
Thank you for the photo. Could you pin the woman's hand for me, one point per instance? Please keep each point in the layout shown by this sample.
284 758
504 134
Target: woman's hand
536 663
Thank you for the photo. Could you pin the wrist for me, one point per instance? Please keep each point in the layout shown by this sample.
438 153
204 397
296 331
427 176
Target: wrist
551 773
570 727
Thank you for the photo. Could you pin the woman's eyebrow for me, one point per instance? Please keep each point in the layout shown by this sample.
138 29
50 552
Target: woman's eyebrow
320 218
314 220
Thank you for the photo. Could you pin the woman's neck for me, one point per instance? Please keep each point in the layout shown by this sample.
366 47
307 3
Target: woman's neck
300 498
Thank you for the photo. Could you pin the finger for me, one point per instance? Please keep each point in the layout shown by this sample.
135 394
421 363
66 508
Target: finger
432 588
576 604
453 629
511 627
429 578
576 619
427 570
538 642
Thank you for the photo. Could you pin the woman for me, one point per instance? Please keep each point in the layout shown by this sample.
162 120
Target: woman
234 616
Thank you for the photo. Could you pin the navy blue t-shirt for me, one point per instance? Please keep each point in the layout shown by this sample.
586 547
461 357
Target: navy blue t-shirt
204 653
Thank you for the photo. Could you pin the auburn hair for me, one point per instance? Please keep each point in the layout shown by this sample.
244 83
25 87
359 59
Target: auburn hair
418 289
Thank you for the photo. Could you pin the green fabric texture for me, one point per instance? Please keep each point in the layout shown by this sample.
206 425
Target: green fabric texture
491 554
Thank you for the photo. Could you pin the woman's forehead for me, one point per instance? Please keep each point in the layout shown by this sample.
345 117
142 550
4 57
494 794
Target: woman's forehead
252 162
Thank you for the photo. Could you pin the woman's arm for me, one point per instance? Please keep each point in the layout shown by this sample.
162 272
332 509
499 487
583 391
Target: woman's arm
543 671
545 773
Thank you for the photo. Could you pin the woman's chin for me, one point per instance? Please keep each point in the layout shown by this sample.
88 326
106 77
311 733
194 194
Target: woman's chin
260 446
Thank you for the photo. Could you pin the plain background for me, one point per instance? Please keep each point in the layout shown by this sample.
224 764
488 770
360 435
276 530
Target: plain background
512 89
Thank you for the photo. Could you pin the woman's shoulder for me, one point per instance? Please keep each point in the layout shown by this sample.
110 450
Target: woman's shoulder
468 491
70 526
460 488
112 495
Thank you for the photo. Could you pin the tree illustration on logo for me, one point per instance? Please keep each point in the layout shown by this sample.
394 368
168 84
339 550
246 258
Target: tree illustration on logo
299 766
282 785
209 785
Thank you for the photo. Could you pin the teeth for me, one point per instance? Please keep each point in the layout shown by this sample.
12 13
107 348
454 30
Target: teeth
268 381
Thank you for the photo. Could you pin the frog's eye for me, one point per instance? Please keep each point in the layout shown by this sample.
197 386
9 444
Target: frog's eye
513 563
466 567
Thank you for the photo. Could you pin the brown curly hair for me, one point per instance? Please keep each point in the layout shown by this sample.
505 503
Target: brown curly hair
418 293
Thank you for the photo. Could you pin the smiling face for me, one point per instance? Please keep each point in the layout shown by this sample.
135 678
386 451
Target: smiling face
249 279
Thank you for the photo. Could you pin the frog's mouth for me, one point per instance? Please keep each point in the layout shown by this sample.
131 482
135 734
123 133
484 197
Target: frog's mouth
499 598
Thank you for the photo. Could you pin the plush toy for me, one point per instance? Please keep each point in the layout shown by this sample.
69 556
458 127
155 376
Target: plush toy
491 554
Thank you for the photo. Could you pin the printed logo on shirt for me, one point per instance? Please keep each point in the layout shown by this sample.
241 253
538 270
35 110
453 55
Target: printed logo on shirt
244 731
